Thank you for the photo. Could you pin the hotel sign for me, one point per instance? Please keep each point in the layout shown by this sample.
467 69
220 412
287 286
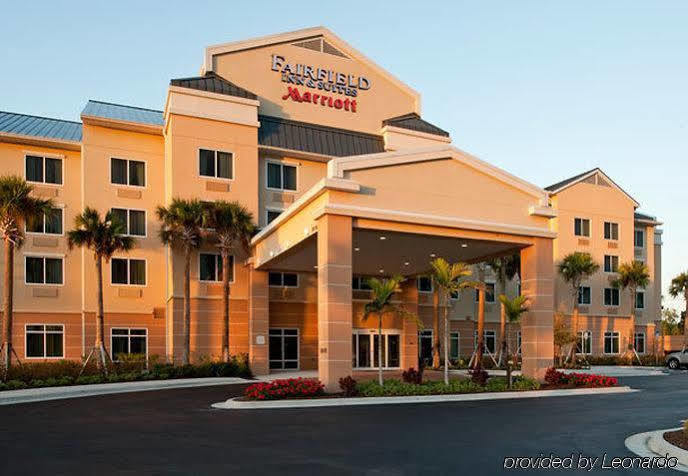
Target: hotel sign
324 81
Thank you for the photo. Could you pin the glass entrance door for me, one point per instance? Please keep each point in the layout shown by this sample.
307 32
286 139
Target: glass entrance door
284 348
365 349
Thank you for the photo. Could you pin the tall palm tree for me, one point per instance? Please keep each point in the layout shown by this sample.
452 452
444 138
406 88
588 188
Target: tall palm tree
449 278
382 291
574 269
679 287
513 310
632 276
232 226
480 331
17 206
182 229
506 268
104 237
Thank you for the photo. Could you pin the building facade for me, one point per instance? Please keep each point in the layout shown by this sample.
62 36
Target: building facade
345 179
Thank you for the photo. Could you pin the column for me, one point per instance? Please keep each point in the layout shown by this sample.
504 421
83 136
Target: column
537 282
334 300
259 321
409 337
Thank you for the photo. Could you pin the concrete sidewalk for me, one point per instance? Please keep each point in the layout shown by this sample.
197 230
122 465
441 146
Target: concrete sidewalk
28 395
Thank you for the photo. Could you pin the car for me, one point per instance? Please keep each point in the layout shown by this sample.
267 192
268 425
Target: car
676 360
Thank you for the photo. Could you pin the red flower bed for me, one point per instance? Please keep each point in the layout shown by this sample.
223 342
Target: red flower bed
554 377
285 388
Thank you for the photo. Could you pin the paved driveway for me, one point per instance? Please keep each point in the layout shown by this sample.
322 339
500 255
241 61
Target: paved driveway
176 432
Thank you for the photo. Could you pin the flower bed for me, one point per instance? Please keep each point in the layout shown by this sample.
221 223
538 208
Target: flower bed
555 378
285 388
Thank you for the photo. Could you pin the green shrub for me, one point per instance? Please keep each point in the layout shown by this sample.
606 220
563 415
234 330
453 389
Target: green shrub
89 379
496 384
525 383
16 384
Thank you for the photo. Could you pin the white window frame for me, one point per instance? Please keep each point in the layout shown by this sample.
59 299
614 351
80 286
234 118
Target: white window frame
298 280
494 293
145 173
519 341
452 334
638 292
128 260
611 227
281 163
432 285
611 263
582 340
60 207
145 221
44 256
579 296
360 280
215 177
44 156
385 333
635 342
298 347
271 209
635 232
485 333
128 329
218 257
589 227
45 332
604 301
611 334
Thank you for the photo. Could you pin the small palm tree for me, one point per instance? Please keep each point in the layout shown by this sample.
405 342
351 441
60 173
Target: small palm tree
513 309
104 237
480 331
17 206
574 269
182 229
232 226
382 291
506 268
449 278
632 276
679 287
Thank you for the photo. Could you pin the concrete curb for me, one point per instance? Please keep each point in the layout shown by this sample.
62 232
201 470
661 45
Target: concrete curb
652 444
28 395
234 404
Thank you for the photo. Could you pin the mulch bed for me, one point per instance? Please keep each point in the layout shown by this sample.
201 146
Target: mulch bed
677 438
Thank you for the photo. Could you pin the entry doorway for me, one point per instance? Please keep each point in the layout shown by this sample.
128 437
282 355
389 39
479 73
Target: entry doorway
425 347
364 346
284 349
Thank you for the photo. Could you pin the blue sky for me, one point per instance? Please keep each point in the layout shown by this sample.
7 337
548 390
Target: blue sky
543 89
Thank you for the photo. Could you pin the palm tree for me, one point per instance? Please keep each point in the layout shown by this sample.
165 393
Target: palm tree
449 278
105 238
480 331
632 276
679 287
231 224
182 229
506 268
574 269
17 206
382 291
513 309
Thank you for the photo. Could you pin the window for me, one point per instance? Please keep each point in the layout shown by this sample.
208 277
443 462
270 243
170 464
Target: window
584 343
611 342
611 231
365 349
425 346
454 295
284 348
272 214
128 271
128 341
489 341
611 296
424 284
44 341
134 221
43 270
639 238
611 264
489 293
214 163
640 300
584 295
639 342
454 348
127 172
281 176
48 223
581 227
359 283
518 342
43 170
210 267
288 280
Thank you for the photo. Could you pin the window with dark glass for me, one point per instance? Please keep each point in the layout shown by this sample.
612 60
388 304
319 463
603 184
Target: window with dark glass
639 238
640 342
424 284
49 223
611 296
489 341
127 341
281 176
127 172
272 214
581 227
43 170
283 348
128 271
584 343
584 295
611 264
44 340
640 300
611 342
289 280
134 221
489 293
43 270
360 283
214 163
611 231
454 345
211 267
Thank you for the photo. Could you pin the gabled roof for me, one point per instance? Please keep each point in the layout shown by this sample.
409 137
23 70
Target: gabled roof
213 83
315 139
648 219
564 184
40 127
413 121
120 112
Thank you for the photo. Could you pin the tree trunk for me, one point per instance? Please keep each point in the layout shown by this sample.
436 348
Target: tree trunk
631 340
225 305
574 329
7 305
379 351
436 329
100 325
502 333
186 326
446 338
481 329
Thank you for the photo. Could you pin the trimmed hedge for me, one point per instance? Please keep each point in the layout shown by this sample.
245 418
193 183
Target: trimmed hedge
393 387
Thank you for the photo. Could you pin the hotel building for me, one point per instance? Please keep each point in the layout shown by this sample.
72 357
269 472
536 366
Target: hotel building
346 180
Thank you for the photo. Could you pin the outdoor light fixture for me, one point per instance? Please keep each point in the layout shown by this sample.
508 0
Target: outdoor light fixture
406 263
383 238
464 245
432 255
382 271
357 249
